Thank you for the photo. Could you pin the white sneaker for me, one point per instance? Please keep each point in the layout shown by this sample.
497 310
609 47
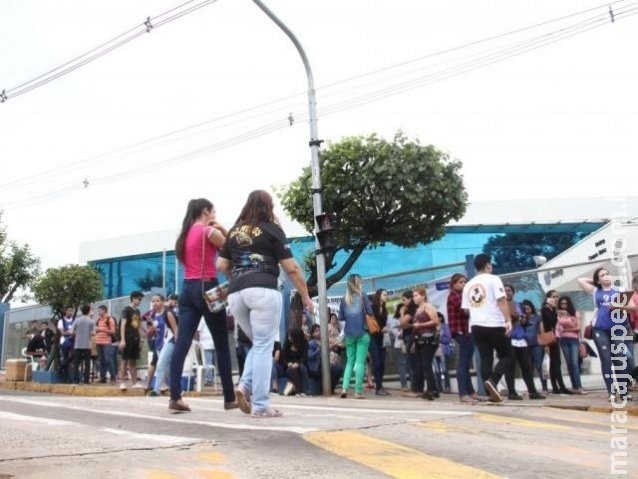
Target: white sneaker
122 386
138 385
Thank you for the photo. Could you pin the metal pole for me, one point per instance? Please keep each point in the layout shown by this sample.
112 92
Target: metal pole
316 200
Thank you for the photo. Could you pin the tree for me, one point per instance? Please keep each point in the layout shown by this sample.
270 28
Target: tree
155 279
513 252
18 268
71 285
396 192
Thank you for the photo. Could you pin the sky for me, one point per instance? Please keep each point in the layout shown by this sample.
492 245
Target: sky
200 106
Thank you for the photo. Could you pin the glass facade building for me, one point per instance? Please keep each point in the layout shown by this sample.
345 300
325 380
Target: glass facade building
160 269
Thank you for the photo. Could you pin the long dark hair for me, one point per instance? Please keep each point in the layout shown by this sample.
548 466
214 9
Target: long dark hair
193 211
376 303
527 302
570 305
259 207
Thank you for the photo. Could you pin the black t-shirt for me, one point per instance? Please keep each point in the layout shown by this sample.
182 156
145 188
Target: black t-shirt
254 252
132 316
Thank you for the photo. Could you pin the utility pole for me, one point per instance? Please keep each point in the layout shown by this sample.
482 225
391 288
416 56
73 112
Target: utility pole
314 144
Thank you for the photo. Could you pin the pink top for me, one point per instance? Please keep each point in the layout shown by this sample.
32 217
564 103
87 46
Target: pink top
565 321
193 253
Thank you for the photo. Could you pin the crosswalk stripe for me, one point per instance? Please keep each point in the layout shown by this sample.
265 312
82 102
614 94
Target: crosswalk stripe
393 459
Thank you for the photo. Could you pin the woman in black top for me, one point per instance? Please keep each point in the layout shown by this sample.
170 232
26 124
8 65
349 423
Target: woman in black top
293 361
549 320
376 349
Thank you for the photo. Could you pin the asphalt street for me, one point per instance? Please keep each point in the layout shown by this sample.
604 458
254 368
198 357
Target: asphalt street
52 435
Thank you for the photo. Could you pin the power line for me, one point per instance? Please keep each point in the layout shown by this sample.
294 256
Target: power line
103 49
93 159
501 54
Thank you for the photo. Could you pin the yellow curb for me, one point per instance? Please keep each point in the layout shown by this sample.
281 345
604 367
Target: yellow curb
88 390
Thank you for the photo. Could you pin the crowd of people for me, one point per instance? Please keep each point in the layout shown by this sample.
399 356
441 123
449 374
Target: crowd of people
490 331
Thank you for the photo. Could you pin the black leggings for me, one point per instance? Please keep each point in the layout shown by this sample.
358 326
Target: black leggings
555 374
521 356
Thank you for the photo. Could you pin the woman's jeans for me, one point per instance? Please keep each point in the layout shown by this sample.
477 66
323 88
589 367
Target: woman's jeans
257 311
569 346
105 356
609 352
538 353
192 307
163 364
377 353
356 352
463 376
402 363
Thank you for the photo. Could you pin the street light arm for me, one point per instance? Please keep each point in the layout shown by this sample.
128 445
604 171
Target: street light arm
316 199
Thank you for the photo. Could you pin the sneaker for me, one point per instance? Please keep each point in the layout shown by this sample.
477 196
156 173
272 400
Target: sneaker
382 392
289 390
153 393
359 396
178 406
138 385
495 396
344 394
243 399
122 386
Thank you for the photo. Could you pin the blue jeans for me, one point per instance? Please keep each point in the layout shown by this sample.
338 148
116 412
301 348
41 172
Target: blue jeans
402 360
163 365
538 353
210 359
569 346
604 343
105 356
463 376
377 354
257 311
191 308
115 350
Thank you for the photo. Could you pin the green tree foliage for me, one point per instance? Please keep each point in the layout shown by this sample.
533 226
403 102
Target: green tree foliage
18 268
154 279
70 285
382 191
513 252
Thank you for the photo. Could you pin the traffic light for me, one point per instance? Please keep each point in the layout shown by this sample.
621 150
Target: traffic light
326 231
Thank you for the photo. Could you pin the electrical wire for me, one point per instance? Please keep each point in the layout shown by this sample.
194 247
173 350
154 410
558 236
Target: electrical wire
62 169
518 48
102 49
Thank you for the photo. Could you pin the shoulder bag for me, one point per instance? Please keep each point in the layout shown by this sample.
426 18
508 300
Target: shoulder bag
371 321
545 338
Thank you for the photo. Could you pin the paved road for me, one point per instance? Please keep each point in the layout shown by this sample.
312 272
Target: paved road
45 436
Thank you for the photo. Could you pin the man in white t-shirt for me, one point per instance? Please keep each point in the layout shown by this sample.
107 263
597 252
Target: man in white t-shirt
490 322
205 338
